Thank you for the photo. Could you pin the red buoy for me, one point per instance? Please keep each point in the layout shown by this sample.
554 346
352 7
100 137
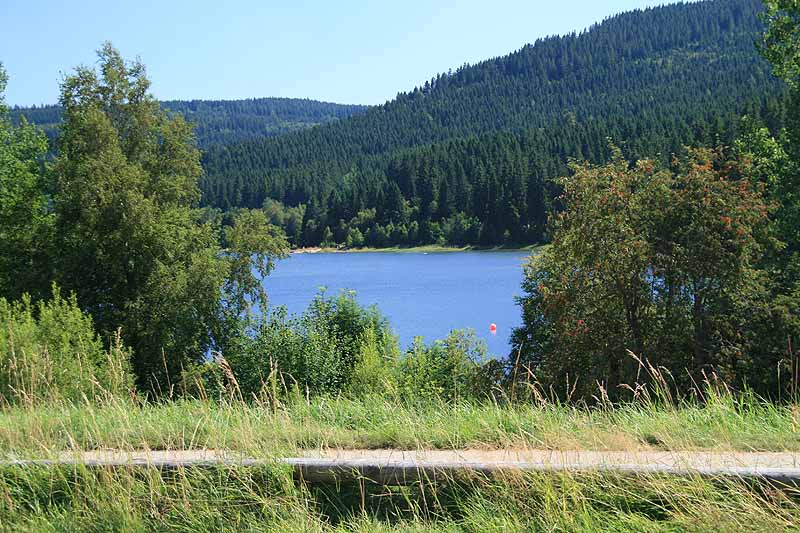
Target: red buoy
493 328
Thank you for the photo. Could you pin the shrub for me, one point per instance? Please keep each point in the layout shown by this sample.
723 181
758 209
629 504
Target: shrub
375 370
449 370
335 346
50 351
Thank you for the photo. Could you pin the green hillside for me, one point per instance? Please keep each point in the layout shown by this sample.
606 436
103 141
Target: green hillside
465 157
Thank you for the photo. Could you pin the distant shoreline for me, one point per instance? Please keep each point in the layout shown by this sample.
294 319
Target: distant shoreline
432 248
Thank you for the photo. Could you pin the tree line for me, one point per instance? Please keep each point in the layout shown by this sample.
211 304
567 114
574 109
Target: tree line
220 121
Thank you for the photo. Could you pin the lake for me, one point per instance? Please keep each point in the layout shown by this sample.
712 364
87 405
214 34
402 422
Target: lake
422 294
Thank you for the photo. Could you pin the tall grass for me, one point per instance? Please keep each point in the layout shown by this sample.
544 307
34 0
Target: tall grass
296 422
266 499
283 422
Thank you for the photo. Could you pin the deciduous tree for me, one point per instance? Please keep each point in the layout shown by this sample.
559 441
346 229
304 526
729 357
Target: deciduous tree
25 221
130 242
659 261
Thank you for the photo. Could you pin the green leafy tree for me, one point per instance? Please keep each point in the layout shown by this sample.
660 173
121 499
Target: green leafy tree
130 242
355 239
778 162
252 245
780 43
662 262
25 221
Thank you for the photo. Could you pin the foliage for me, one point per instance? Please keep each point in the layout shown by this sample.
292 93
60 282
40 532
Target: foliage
322 351
25 223
374 373
778 163
780 43
252 245
49 352
781 46
662 262
448 370
130 242
288 218
338 347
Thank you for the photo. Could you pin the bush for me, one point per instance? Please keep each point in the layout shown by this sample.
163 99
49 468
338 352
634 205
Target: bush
375 370
339 347
450 370
334 346
50 352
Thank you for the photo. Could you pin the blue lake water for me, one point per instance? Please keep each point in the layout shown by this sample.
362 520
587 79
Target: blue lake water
422 294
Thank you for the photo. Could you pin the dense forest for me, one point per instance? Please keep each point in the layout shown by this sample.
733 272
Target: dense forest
223 121
467 158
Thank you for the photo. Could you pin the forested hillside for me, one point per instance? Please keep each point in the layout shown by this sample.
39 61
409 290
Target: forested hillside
467 157
226 121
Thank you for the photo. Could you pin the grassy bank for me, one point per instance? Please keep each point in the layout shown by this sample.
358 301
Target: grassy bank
724 423
266 498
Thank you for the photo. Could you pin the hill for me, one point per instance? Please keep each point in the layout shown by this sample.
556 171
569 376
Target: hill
466 157
226 121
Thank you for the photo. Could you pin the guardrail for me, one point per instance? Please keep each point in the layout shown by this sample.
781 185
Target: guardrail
391 467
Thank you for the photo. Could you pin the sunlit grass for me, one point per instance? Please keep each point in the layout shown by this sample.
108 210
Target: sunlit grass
723 423
266 498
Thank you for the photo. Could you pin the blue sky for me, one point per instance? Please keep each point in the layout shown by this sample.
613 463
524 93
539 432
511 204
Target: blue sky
349 51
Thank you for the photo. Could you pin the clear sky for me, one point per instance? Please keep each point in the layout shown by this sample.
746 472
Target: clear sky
348 51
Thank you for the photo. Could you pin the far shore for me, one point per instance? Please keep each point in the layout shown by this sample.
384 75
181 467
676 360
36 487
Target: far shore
431 248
